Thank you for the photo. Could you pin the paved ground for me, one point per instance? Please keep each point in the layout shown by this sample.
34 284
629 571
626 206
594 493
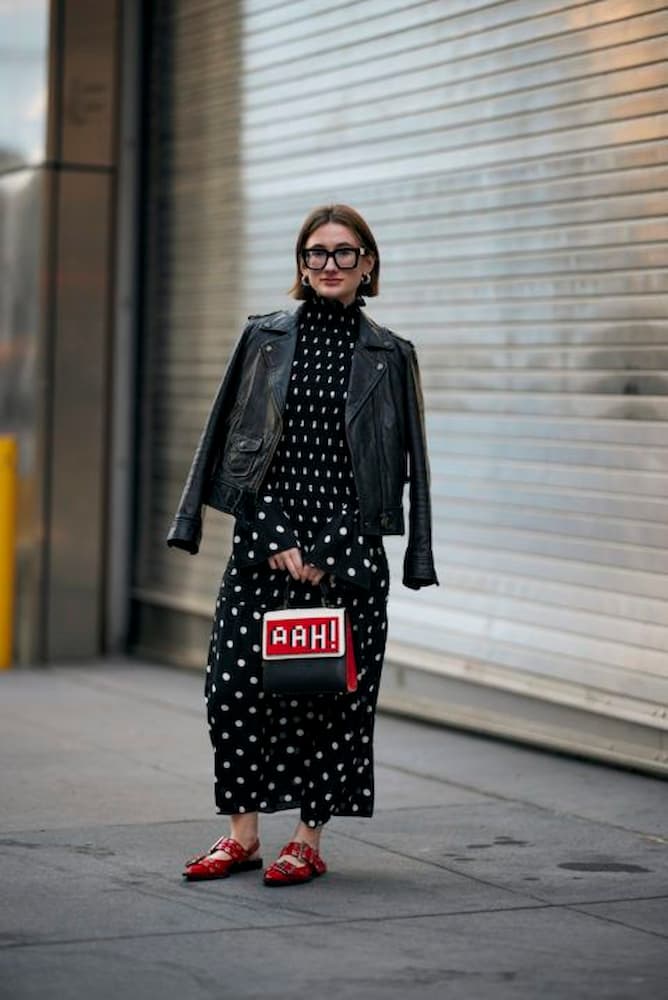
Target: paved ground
489 870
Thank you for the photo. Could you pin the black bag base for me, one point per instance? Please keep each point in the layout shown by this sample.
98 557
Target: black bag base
307 675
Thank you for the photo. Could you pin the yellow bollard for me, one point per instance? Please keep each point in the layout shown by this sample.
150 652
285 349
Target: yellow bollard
8 492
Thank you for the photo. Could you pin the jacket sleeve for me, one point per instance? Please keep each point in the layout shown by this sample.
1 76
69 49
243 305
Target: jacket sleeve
186 528
340 549
261 536
418 570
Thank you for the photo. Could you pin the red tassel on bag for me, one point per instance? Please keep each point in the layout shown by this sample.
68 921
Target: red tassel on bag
351 665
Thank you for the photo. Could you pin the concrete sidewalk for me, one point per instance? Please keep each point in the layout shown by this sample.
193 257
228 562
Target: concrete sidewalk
489 870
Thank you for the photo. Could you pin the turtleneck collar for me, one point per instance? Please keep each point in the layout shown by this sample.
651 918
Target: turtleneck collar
335 306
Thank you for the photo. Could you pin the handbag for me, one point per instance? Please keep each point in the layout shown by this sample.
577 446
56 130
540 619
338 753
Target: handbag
308 650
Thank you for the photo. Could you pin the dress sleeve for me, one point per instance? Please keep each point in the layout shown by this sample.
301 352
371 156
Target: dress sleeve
263 534
341 549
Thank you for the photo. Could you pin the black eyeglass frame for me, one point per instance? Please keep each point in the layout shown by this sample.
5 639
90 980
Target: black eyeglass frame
358 251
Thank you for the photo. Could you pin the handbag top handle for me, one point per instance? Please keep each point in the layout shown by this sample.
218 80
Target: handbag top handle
324 592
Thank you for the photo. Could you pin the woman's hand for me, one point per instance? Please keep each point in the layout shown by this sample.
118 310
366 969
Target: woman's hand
312 574
291 560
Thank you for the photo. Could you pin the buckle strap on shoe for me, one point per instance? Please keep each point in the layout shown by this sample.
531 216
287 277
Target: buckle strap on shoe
304 852
235 850
284 867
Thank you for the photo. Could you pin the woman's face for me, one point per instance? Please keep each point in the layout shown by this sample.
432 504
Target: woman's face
336 279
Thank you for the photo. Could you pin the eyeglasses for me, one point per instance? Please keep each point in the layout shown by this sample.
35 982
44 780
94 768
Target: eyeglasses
345 258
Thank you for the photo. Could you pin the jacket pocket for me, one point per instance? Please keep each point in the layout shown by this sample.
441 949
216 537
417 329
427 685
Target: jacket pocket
241 452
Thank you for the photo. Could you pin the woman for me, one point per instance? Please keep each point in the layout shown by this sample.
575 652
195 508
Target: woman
309 443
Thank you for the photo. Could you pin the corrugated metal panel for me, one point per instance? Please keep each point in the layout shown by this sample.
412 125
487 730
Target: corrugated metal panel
193 226
512 160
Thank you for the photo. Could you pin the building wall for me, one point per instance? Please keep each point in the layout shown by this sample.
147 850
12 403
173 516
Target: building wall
512 161
57 173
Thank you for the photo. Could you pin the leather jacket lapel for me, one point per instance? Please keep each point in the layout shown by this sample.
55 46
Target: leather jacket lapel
366 371
369 365
278 352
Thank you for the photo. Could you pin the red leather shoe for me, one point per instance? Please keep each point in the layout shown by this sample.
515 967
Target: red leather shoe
204 867
283 873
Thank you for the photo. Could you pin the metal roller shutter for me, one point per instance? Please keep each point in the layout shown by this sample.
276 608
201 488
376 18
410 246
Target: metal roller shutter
512 160
192 235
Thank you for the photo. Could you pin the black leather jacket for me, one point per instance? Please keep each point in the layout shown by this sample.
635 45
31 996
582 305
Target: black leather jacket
384 422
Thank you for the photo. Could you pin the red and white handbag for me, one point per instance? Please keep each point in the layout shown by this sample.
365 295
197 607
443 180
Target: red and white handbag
308 651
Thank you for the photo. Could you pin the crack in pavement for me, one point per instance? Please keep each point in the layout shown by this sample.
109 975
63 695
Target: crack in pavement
326 922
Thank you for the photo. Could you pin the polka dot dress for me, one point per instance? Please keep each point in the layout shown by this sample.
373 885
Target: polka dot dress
275 752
